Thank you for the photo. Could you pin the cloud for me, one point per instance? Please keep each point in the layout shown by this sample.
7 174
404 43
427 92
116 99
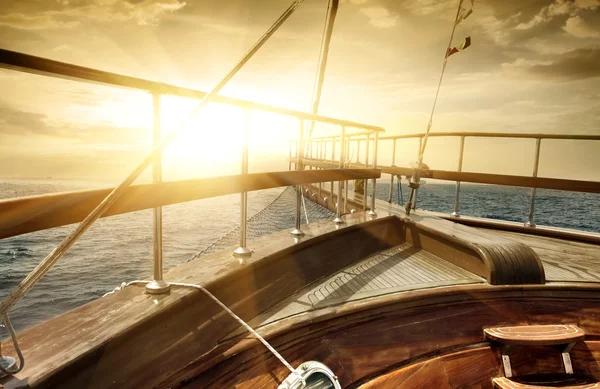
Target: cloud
16 122
428 7
559 8
379 17
578 27
65 14
143 12
35 22
574 65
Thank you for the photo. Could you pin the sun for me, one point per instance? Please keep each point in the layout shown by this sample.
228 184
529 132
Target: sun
211 145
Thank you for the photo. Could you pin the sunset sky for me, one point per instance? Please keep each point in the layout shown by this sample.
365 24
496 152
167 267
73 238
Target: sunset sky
534 66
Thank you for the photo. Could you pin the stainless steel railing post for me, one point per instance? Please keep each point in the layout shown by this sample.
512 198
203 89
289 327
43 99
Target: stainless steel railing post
243 252
346 158
320 155
311 143
365 181
372 212
290 156
338 208
391 194
299 152
536 162
157 285
414 201
332 161
456 212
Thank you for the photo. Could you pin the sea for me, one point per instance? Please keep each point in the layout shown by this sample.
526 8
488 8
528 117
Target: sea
119 249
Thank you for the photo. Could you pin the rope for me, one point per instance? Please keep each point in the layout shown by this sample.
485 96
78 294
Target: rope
242 322
422 150
304 207
414 180
13 336
232 314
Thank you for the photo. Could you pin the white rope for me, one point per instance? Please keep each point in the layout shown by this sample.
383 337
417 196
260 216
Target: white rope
230 312
305 212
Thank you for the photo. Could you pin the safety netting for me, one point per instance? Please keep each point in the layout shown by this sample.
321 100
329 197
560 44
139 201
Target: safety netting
279 215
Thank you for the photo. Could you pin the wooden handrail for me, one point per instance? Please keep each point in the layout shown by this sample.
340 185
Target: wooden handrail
47 67
28 214
480 178
494 135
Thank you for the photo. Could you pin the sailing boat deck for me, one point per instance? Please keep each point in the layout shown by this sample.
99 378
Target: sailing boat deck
399 269
564 260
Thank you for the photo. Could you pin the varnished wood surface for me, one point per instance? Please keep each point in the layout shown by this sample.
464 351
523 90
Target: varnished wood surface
196 344
501 261
120 329
539 230
478 367
563 260
535 335
362 342
481 178
34 213
545 382
401 268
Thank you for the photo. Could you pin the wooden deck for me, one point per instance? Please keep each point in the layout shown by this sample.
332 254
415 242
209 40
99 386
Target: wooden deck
400 269
359 270
564 260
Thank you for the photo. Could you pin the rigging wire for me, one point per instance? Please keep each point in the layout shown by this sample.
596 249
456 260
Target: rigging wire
418 169
43 267
422 149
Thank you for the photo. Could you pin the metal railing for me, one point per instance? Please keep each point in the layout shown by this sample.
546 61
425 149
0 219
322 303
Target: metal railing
534 182
322 161
104 202
587 186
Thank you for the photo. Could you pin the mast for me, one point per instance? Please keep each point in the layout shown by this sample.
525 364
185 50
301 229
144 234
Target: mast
323 56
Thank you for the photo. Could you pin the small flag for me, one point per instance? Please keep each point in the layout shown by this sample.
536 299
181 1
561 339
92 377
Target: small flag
460 47
466 9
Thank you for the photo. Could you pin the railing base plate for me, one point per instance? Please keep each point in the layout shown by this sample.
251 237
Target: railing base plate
8 363
157 287
297 232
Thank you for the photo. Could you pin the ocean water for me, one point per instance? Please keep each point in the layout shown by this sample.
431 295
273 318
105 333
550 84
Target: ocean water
114 250
119 248
580 211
